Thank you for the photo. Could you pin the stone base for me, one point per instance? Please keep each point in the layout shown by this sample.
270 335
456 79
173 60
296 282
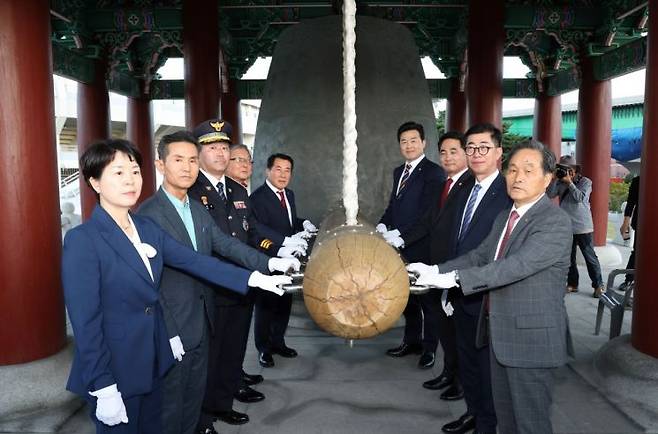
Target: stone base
34 396
629 379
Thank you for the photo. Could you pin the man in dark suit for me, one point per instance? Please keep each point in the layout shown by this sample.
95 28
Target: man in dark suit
276 214
416 185
631 211
188 306
228 205
482 200
522 266
437 224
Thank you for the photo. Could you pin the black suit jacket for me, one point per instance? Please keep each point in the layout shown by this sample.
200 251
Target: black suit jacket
493 203
422 189
632 202
234 219
272 218
439 221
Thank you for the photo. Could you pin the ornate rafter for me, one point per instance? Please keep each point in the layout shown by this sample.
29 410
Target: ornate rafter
137 36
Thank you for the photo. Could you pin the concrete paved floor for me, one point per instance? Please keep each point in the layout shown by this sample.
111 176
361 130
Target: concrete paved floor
334 388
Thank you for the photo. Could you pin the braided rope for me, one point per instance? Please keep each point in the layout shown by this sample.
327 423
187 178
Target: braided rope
350 180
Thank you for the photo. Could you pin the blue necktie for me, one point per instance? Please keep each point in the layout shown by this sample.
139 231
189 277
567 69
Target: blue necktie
220 190
470 207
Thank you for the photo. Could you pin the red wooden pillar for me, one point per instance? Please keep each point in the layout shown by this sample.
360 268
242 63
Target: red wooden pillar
201 57
140 131
32 322
231 110
456 108
548 122
593 143
486 42
93 125
645 305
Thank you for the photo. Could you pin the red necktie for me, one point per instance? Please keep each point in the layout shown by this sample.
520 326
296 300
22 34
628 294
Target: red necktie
513 217
446 190
282 199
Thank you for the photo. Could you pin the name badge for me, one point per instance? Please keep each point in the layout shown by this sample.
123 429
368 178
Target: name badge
239 204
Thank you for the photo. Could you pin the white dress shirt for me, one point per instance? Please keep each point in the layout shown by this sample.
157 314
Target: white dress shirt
413 165
285 196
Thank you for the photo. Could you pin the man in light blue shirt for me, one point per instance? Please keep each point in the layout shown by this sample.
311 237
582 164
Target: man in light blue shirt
187 302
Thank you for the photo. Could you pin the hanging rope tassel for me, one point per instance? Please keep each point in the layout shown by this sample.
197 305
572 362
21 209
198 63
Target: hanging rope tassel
350 149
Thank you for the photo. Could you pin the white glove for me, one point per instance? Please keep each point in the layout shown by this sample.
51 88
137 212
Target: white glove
109 406
309 227
444 280
291 252
420 268
396 242
292 241
304 235
446 305
391 234
269 283
381 228
283 264
177 348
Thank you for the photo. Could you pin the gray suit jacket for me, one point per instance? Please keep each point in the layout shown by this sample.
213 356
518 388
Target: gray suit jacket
187 302
527 317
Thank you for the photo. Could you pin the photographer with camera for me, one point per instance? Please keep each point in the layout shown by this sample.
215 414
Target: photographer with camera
573 190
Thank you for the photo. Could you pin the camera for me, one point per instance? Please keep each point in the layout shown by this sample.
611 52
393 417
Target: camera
561 171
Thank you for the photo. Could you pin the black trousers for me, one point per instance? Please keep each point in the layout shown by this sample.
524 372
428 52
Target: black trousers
271 317
586 244
422 320
631 260
474 370
227 349
183 390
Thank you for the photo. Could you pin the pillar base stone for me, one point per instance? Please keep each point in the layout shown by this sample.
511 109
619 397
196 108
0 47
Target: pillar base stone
34 396
629 379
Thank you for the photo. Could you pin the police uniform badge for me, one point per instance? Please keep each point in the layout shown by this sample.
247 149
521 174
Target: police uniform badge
217 125
206 203
245 225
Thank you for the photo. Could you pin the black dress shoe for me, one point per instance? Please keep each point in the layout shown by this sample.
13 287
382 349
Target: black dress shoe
265 360
247 394
250 379
453 393
464 424
440 382
426 360
232 417
405 349
286 352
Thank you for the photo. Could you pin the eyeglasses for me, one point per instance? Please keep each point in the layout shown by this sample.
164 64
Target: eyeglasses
482 150
241 160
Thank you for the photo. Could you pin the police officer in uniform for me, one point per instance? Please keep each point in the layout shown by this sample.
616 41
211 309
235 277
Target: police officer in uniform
228 204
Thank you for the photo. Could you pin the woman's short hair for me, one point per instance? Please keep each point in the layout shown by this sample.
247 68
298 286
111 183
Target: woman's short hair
97 156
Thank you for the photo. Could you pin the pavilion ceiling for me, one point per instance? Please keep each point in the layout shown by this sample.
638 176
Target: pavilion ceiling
136 37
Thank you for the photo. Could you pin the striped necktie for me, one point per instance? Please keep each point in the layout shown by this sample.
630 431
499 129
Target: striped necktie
405 177
220 190
470 207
